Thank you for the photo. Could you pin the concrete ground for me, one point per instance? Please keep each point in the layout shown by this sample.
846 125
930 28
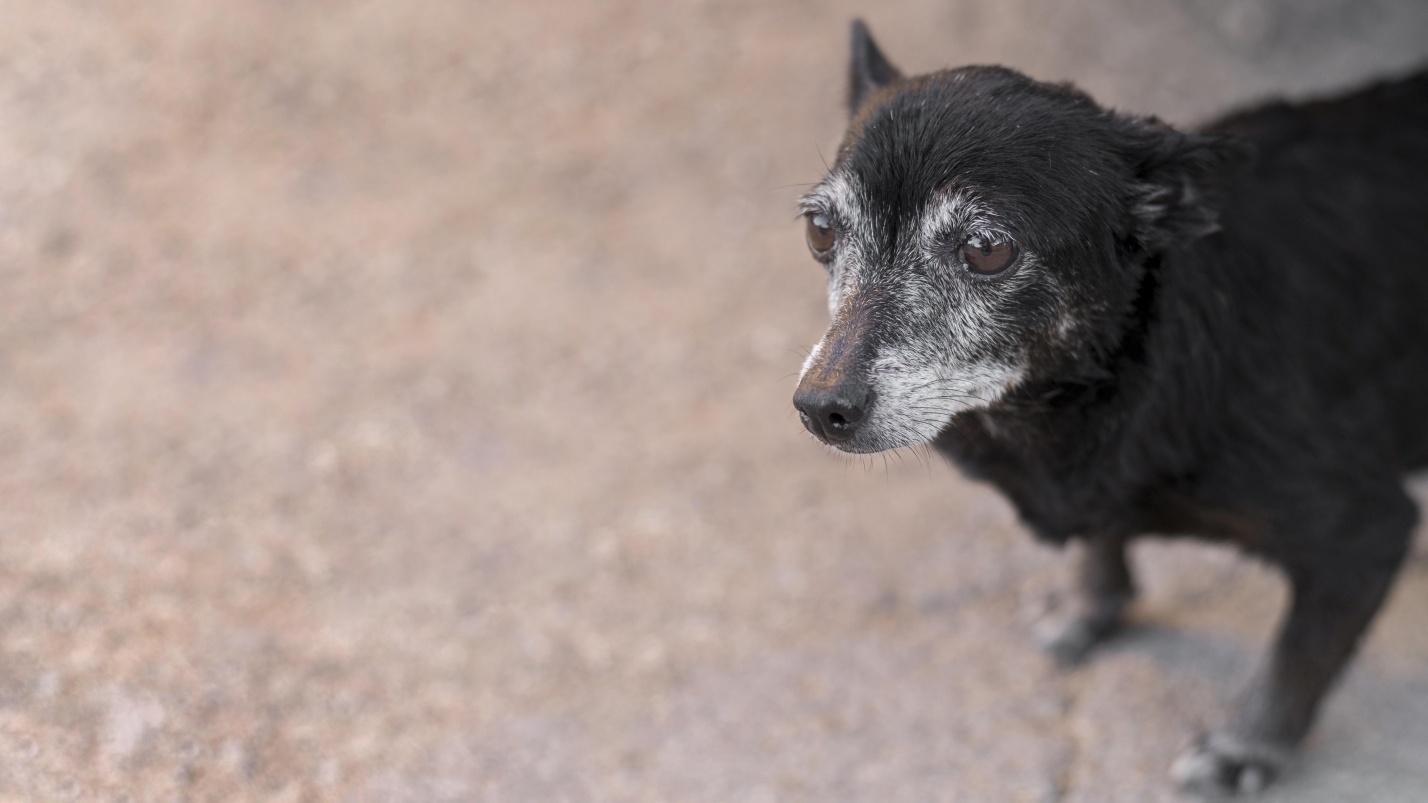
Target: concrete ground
394 406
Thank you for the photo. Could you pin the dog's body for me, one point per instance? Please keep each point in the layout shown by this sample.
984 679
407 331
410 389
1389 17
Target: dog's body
1132 330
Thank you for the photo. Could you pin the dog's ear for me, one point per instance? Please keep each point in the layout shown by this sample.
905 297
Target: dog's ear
869 70
1179 181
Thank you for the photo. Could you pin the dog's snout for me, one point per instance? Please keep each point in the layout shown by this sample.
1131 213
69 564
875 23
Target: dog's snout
833 395
833 413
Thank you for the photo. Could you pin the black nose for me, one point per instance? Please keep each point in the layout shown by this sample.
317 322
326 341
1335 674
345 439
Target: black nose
833 413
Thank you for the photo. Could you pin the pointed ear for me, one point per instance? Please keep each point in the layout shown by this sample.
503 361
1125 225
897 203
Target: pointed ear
1179 181
869 70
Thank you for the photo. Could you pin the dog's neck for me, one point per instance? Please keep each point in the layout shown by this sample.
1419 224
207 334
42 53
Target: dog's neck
1030 417
1131 348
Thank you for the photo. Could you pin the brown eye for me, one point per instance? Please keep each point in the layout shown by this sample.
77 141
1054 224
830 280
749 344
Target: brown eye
820 236
989 259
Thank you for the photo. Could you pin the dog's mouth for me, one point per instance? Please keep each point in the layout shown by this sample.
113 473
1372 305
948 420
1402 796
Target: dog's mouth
852 435
847 419
855 414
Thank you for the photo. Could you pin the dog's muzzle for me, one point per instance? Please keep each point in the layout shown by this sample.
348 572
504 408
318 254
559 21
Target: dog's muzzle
833 397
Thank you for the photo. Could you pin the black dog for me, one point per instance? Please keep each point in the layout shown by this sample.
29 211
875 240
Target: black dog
1129 329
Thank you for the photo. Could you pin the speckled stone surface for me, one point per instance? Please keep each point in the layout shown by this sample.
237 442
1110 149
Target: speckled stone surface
394 407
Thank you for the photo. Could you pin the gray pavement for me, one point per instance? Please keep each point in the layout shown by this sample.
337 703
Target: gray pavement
394 407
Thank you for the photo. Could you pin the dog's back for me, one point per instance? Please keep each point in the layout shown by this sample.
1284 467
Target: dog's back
1324 255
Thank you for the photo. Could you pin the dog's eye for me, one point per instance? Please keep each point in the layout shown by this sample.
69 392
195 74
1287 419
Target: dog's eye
820 236
989 259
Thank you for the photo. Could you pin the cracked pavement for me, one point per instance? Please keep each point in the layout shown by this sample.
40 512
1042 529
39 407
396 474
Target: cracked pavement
395 407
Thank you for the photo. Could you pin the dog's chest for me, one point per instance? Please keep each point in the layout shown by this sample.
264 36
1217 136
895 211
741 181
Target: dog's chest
1059 486
1095 484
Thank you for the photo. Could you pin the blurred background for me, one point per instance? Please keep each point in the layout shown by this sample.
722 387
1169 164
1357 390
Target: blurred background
394 406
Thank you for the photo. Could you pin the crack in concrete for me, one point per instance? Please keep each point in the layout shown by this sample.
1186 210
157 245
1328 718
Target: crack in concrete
1062 776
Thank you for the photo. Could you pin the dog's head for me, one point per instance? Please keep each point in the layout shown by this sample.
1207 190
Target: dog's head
982 230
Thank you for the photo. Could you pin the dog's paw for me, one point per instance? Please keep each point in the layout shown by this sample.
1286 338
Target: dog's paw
1068 639
1220 766
1069 636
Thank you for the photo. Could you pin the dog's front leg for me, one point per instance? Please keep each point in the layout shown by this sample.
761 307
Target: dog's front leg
1337 586
1101 588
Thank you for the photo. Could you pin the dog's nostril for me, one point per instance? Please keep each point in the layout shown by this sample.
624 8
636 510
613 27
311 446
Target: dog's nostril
833 414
